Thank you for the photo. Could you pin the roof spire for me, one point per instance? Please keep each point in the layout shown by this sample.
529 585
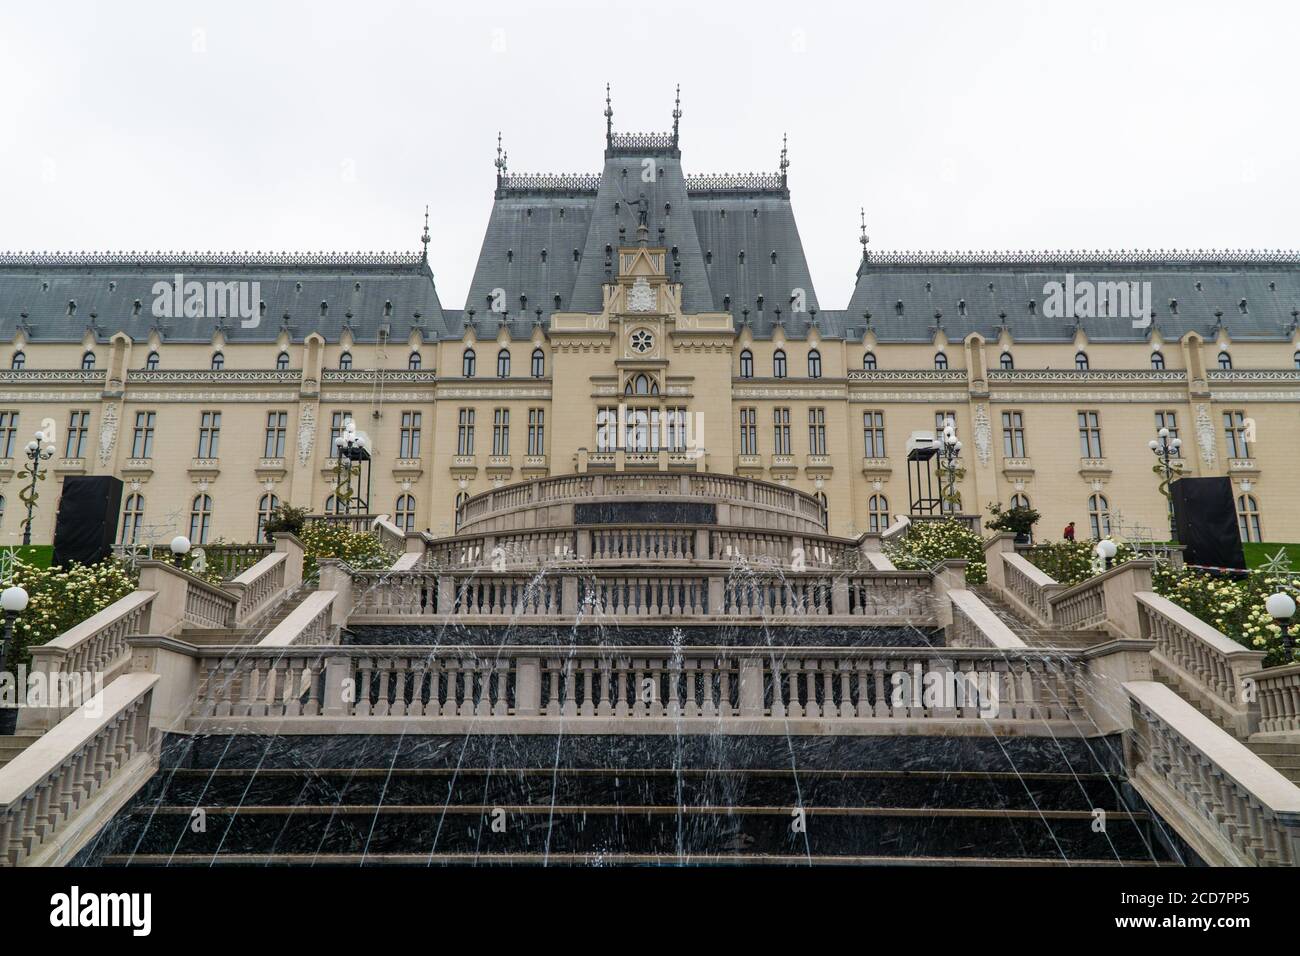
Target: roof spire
424 238
500 161
864 240
677 112
609 119
785 160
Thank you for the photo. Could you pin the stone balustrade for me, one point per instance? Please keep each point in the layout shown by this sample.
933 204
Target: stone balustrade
975 625
308 624
1028 587
1206 663
44 788
1227 803
390 535
234 559
1278 692
1104 600
768 686
260 588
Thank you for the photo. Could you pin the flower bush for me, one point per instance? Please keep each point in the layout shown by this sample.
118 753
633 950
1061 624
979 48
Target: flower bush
929 542
60 598
1070 562
361 549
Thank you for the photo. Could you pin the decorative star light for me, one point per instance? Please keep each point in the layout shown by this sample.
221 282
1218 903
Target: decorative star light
1279 563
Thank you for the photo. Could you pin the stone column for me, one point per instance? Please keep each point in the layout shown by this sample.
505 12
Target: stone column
288 543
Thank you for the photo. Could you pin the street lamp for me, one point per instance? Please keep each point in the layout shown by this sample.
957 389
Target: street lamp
180 547
13 600
36 451
951 449
1281 608
1165 448
1106 550
345 446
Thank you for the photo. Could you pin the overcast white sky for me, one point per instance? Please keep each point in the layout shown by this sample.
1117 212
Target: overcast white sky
304 126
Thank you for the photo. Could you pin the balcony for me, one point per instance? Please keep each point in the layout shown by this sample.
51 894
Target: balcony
876 467
464 466
1017 467
749 465
1094 467
500 466
818 465
205 467
1248 467
535 465
271 468
408 468
70 466
784 464
137 468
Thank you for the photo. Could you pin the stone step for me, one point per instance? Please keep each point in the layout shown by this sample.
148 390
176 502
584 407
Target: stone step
1278 748
11 745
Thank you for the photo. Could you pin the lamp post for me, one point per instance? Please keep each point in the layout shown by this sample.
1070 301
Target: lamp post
951 449
344 446
1106 550
1281 608
36 451
13 600
1166 448
180 547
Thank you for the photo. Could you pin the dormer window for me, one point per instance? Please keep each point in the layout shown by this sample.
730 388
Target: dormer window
814 364
18 361
778 364
413 362
747 364
88 361
345 361
218 361
151 362
1225 361
1007 362
1081 361
869 361
503 363
468 364
282 361
539 363
940 360
1157 361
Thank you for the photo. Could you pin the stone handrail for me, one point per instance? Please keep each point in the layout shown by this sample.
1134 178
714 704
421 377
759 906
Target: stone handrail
1206 662
1104 601
1278 692
98 644
1080 606
893 596
389 533
260 586
975 625
306 625
1028 587
46 785
208 606
1227 803
182 599
235 559
769 687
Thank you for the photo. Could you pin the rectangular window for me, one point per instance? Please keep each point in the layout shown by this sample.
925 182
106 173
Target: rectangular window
409 444
816 431
781 431
536 431
1234 433
209 434
336 430
78 425
1169 419
142 440
8 429
1013 434
501 431
465 432
873 434
1089 435
749 431
606 429
277 424
676 421
942 418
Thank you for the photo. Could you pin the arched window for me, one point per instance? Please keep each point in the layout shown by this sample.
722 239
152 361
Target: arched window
200 519
814 364
1020 501
345 361
2 508
1225 361
539 363
1248 518
641 384
468 364
218 361
1157 361
334 505
18 361
151 362
1098 515
825 504
461 498
404 513
1007 362
413 362
747 363
778 364
940 360
265 505
503 363
282 361
877 513
1296 359
132 519
1081 361
869 361
88 361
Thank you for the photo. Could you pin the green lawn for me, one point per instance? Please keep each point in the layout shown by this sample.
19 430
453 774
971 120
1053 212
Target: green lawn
38 554
1258 553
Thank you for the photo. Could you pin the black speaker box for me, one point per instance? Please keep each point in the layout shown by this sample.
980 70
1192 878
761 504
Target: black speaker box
1206 518
87 521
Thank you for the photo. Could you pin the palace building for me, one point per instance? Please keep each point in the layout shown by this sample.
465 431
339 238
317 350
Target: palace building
637 318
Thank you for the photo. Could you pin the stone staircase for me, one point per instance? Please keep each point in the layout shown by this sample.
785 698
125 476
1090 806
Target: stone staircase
210 636
1283 757
665 800
11 745
1036 635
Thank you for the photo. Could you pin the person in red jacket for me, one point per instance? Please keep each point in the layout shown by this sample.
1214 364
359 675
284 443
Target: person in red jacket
1068 533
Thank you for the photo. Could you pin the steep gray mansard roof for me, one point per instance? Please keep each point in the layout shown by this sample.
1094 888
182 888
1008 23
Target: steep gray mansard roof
973 291
57 297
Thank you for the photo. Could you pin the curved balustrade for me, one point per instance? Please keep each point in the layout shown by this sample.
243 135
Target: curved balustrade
1278 692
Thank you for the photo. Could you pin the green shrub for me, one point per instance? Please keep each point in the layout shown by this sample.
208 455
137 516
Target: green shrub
59 599
361 549
929 542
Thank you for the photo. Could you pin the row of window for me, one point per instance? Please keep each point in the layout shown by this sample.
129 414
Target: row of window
469 363
465 425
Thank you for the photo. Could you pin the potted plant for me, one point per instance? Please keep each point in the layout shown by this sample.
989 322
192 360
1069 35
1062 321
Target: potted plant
284 518
1019 521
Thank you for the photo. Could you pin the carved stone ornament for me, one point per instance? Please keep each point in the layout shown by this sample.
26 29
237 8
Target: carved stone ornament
640 297
107 433
306 433
983 434
1205 436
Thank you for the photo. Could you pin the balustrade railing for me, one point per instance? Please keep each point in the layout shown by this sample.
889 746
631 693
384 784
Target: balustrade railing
207 605
306 625
234 559
975 625
1081 606
642 544
1278 692
261 586
98 644
1029 586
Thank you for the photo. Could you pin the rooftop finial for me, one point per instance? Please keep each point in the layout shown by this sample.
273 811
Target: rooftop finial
785 159
609 119
424 238
864 240
677 112
500 161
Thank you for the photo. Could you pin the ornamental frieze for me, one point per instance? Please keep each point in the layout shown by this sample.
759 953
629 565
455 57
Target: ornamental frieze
1255 375
1089 396
22 376
50 396
907 375
371 375
254 376
135 395
1064 376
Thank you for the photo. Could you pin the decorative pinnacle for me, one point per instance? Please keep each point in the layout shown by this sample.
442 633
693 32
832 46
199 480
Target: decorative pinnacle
785 159
500 161
609 119
864 240
424 238
677 112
